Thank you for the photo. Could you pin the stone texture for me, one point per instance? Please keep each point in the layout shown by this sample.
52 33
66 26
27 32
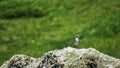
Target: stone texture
65 58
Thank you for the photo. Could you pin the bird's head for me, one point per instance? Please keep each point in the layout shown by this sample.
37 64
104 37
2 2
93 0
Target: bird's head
77 36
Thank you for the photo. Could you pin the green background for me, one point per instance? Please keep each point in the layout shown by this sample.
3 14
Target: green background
33 27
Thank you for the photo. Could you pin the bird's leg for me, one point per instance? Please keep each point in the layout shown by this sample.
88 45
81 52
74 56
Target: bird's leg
75 46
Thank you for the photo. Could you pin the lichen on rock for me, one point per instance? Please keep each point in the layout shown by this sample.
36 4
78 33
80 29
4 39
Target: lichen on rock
65 58
18 61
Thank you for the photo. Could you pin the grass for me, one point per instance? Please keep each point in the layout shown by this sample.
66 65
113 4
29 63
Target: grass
33 27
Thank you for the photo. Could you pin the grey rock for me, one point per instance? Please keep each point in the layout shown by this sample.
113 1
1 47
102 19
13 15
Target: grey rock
65 58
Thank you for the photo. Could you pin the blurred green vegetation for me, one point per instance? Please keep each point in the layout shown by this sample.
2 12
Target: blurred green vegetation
33 27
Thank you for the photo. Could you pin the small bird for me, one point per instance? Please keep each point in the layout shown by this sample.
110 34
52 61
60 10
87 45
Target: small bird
76 40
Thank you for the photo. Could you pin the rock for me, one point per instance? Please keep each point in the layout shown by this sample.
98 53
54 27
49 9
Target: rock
65 58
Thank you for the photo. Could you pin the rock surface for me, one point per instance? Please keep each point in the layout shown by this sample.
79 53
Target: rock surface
65 58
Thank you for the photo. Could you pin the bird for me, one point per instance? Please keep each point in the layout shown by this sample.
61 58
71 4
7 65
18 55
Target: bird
76 40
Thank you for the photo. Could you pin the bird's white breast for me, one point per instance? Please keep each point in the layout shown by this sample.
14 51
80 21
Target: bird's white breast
76 39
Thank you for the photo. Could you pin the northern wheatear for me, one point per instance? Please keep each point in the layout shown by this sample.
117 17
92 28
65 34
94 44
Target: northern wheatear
76 40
